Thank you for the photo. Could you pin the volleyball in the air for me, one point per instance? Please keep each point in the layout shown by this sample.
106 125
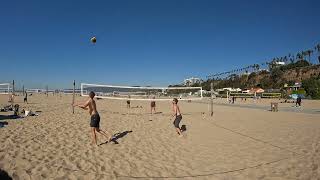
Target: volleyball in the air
93 40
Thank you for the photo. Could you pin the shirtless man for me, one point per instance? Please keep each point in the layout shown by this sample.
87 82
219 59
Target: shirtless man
153 105
90 105
25 98
177 115
128 102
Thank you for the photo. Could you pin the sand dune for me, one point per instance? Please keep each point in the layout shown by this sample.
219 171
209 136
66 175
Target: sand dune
236 143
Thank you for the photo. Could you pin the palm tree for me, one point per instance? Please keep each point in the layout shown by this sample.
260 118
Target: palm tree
298 57
317 48
309 52
257 67
291 60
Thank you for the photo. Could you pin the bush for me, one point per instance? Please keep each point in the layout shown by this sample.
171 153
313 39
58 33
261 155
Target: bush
300 91
312 87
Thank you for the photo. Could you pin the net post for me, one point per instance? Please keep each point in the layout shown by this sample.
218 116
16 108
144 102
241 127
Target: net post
211 98
47 90
74 85
81 89
227 96
12 96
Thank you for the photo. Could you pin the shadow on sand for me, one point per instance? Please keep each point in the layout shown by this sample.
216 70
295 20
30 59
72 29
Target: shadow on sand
116 137
183 128
3 123
4 175
8 117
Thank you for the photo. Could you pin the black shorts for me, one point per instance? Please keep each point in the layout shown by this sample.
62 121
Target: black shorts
95 121
177 121
153 104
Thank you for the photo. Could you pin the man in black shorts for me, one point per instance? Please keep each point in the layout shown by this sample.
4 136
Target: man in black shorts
90 105
177 115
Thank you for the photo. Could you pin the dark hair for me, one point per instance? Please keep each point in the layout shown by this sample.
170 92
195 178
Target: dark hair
175 100
92 94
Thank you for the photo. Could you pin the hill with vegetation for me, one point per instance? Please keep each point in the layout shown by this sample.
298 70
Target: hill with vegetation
275 78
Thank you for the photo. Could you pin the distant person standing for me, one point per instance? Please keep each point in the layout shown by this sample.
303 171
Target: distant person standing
153 105
128 102
11 98
177 115
25 99
298 102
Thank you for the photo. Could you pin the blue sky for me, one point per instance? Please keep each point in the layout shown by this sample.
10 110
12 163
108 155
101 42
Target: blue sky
147 42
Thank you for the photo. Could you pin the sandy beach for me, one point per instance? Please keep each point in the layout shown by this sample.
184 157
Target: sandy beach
237 142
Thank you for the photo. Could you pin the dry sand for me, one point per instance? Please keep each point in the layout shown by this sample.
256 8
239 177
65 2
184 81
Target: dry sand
236 143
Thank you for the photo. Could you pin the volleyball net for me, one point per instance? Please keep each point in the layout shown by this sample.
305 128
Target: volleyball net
142 93
76 91
5 88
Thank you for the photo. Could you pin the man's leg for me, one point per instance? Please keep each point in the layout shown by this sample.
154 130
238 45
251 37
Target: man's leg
179 131
176 125
94 136
105 134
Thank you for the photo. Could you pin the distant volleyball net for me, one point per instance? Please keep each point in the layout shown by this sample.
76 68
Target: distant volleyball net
141 93
5 88
40 91
76 91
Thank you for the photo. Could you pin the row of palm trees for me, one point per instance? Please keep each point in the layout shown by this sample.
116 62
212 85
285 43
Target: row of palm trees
291 58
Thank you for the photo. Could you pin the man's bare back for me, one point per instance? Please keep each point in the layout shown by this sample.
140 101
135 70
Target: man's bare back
176 110
92 106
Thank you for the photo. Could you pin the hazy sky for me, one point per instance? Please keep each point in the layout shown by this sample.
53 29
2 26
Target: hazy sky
147 42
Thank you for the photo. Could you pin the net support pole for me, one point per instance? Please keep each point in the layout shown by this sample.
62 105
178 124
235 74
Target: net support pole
74 86
12 95
47 90
22 90
211 98
227 95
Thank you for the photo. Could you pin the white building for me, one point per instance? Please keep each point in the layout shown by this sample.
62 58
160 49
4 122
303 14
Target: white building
191 81
280 63
229 89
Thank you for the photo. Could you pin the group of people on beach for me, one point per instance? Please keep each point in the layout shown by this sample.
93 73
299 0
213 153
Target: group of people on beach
91 106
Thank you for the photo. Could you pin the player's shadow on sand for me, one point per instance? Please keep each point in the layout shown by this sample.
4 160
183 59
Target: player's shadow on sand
117 136
4 175
3 123
8 117
183 128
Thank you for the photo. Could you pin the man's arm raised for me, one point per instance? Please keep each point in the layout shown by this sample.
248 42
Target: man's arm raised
83 105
